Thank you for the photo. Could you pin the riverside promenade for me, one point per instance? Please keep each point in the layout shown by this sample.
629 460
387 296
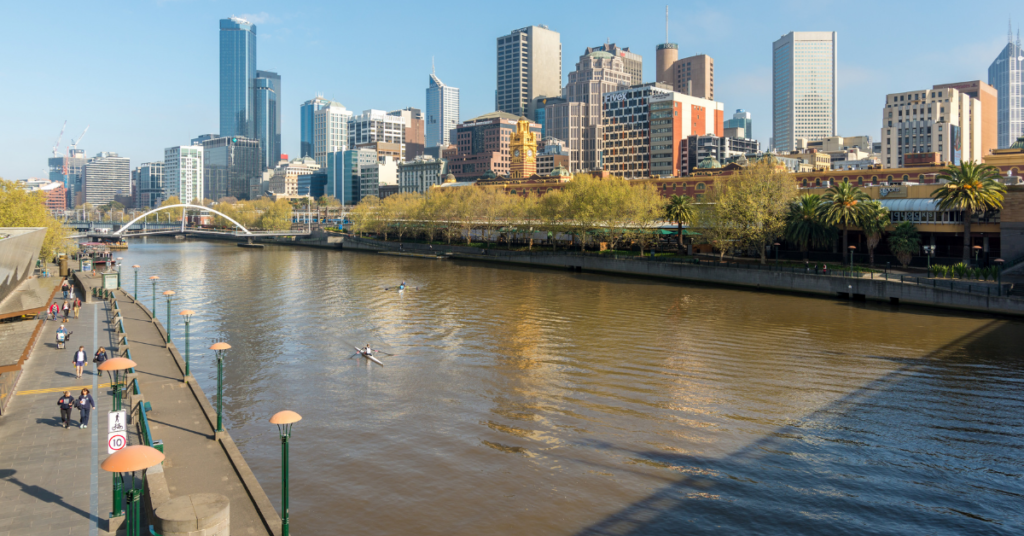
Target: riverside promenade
50 481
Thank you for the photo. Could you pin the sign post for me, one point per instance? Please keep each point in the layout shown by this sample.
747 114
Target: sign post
117 431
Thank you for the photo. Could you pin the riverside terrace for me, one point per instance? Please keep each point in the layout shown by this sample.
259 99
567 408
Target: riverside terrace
50 481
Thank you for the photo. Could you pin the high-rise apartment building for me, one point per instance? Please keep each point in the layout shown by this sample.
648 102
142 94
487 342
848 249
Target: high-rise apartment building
989 98
344 169
804 89
105 176
694 76
149 179
741 119
268 116
632 62
183 172
330 131
442 112
577 120
230 166
1005 75
373 126
237 77
942 121
529 66
306 112
414 131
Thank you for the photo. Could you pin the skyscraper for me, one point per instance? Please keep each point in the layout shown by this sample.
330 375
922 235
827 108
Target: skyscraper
183 172
1005 75
237 77
442 112
529 66
150 185
306 130
105 176
741 119
231 165
330 131
268 116
804 90
632 62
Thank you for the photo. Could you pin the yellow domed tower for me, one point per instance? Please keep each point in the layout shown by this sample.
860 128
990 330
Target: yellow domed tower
524 151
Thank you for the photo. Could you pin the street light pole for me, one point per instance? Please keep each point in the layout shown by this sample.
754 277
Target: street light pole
136 267
220 347
168 294
152 311
123 464
187 316
119 259
284 421
852 249
777 253
117 370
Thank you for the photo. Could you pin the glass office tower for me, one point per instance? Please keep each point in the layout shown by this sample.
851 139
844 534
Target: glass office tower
271 143
1005 75
804 90
237 77
442 112
307 111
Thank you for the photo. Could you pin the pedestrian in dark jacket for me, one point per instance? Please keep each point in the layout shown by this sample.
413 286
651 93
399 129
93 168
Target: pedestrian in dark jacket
101 355
85 404
66 402
79 361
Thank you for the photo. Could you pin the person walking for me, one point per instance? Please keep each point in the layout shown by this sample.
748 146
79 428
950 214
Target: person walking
64 286
85 404
66 403
101 355
77 307
79 361
67 311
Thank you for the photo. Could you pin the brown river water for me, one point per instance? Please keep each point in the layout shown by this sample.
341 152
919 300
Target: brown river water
525 401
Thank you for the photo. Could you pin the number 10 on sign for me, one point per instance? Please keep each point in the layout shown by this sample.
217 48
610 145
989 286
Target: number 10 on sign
116 441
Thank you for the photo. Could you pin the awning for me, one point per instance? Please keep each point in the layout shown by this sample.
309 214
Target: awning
911 205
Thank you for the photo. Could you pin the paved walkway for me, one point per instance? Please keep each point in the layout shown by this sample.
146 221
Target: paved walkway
50 481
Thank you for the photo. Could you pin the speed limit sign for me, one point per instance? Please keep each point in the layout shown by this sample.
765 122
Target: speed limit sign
116 441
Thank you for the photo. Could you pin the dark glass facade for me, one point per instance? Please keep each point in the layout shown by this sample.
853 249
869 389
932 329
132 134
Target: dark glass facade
268 116
231 164
237 77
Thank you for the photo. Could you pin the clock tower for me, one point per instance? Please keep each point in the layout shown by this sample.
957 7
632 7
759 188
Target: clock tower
524 151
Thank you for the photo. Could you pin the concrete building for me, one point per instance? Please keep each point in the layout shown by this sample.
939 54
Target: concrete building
375 176
577 121
694 76
56 196
380 148
740 119
183 172
148 179
989 98
344 170
330 131
804 88
104 176
68 170
529 67
442 113
376 126
414 131
644 127
421 174
307 110
552 153
285 179
943 121
1005 75
230 165
667 54
719 148
632 62
237 77
482 144
541 111
268 117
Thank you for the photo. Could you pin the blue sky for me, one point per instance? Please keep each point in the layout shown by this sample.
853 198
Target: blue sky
143 74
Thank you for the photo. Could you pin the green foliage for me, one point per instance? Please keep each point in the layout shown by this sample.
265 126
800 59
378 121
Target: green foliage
21 208
844 205
874 221
904 242
680 209
806 226
960 269
970 188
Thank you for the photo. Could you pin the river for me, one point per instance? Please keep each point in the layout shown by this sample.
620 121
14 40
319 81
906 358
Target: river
525 401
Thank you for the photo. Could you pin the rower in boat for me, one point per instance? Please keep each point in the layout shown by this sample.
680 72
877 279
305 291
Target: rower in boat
402 286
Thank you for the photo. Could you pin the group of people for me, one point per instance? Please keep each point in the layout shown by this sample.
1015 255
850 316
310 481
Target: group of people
80 357
85 403
72 304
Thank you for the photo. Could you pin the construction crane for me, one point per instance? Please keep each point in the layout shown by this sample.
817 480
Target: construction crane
55 145
74 144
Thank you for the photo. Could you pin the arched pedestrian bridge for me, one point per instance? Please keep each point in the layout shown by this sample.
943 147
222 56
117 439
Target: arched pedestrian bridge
133 228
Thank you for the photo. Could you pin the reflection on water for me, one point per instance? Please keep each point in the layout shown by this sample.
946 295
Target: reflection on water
545 402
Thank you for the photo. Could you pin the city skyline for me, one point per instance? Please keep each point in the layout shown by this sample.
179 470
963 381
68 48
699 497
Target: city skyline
290 37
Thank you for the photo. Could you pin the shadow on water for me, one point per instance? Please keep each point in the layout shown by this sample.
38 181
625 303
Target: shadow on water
862 464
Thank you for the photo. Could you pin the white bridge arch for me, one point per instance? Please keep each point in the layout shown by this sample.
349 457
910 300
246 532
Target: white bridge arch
186 207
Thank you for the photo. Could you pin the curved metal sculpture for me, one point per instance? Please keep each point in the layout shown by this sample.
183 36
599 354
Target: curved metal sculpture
185 206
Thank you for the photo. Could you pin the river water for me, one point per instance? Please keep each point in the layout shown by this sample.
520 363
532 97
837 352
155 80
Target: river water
521 401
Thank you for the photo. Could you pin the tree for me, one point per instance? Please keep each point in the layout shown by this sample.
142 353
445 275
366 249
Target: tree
588 203
644 208
716 227
756 202
874 223
21 208
970 188
805 225
843 205
174 213
112 206
904 242
364 215
680 209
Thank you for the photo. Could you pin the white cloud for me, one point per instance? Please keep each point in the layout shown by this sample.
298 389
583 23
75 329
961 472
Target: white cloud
259 18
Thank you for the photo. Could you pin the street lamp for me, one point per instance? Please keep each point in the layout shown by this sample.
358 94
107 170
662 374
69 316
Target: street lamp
852 249
284 421
186 315
168 294
119 259
999 274
136 267
220 347
152 312
125 463
977 250
777 253
117 370
928 252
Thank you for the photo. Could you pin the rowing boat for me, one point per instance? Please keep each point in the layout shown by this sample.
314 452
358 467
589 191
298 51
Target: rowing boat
368 356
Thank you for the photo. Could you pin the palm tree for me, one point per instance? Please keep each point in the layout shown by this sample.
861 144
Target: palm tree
874 223
970 188
843 205
904 242
804 224
680 209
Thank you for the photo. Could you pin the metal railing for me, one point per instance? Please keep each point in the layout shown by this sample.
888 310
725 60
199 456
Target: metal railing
132 389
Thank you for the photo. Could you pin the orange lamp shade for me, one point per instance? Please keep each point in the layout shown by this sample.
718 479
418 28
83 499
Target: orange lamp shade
136 266
133 458
285 417
154 277
168 293
186 312
117 363
220 346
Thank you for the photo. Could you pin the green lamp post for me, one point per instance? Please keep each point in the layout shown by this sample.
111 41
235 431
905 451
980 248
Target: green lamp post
119 259
117 369
186 315
168 294
154 279
220 348
284 421
136 267
124 463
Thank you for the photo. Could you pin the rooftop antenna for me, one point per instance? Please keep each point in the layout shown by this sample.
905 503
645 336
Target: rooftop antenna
666 23
432 71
